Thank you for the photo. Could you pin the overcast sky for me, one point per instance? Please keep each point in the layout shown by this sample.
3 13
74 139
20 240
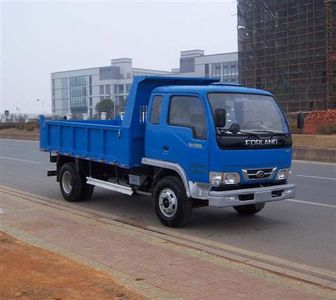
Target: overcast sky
38 38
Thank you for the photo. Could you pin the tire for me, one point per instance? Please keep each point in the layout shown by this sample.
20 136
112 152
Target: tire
249 210
172 206
72 184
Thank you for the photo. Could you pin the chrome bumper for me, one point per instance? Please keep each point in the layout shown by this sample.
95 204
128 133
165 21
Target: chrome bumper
260 195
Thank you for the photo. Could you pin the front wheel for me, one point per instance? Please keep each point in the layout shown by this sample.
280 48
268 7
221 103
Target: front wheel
249 210
172 205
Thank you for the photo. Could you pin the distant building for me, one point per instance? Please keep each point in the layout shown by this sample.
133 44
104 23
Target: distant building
289 48
78 91
221 65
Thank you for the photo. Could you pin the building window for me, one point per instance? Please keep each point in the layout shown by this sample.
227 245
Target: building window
108 89
216 69
206 70
78 92
101 90
90 84
120 88
110 72
188 111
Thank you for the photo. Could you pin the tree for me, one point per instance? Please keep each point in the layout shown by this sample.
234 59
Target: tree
105 105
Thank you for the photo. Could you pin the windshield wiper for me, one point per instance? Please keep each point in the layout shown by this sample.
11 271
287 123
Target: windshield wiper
235 129
272 133
248 133
222 131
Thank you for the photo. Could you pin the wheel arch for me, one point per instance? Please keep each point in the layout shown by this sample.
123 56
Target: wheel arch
167 169
61 160
81 165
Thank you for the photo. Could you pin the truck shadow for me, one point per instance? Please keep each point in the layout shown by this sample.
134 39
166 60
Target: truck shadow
230 221
139 211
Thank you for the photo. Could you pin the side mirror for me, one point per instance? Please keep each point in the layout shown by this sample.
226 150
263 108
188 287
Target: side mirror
220 117
300 120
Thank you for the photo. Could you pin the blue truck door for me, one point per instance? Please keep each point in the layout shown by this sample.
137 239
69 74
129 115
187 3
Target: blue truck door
184 136
153 139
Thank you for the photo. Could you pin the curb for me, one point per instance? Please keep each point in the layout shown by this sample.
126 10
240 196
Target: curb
315 154
214 252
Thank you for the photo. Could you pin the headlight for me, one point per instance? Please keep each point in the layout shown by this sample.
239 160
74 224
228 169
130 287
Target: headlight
217 178
282 174
231 178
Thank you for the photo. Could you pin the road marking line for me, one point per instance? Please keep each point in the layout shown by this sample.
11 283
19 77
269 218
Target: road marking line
21 160
312 203
316 177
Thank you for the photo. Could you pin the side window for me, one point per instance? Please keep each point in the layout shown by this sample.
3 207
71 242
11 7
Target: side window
188 111
156 109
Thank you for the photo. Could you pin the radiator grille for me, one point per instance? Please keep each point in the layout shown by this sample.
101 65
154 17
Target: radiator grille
262 173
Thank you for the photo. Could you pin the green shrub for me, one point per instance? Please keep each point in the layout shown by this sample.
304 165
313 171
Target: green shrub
327 129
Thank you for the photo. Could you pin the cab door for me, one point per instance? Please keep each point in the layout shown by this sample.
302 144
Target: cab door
153 137
185 134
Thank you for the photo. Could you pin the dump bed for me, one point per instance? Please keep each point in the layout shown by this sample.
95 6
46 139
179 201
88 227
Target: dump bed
104 141
119 142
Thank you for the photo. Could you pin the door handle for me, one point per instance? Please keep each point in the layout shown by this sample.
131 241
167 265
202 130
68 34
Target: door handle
165 147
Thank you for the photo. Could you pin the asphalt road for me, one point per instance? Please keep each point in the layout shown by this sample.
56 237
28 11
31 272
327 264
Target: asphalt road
301 229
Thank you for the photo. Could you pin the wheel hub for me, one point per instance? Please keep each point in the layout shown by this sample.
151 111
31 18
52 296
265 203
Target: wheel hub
67 182
168 202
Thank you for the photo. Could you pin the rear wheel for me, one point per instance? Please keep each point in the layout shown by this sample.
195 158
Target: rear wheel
172 206
73 185
249 210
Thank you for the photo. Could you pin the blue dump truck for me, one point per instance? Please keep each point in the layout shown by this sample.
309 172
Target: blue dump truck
186 142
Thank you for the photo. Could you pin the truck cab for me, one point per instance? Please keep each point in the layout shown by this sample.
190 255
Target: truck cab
231 145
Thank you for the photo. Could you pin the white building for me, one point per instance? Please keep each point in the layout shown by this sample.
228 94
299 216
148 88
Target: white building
78 91
222 65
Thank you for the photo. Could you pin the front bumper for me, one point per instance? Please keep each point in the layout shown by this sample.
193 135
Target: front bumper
255 195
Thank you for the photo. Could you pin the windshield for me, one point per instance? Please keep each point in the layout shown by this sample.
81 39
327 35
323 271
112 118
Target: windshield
253 113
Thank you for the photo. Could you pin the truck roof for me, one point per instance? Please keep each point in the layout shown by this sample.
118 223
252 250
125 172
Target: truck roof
217 87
